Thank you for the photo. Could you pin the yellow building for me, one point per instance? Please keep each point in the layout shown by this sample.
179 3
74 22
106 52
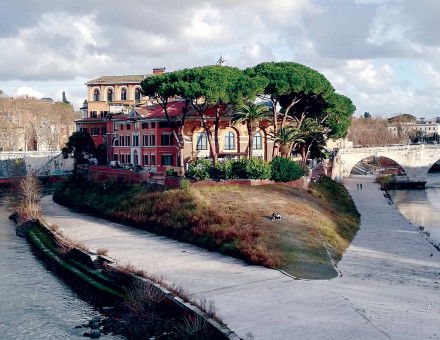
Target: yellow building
115 94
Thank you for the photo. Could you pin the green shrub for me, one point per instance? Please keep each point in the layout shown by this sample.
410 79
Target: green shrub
184 184
304 168
284 169
250 168
220 170
381 179
198 170
171 173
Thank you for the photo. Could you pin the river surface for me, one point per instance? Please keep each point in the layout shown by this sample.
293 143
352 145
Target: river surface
35 304
422 206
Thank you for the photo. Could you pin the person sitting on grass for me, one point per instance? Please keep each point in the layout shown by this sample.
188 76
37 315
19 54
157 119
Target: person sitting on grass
276 216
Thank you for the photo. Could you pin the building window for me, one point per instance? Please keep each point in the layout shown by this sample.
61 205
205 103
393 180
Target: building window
116 142
122 127
136 125
165 139
124 94
137 94
95 131
128 126
96 95
93 114
109 95
145 140
166 160
144 125
229 141
103 131
104 113
258 141
164 125
115 127
202 141
136 140
152 140
128 158
152 160
127 140
115 157
145 159
135 158
121 140
122 159
153 125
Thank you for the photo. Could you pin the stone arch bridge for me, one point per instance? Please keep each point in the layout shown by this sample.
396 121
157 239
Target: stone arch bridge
416 160
41 163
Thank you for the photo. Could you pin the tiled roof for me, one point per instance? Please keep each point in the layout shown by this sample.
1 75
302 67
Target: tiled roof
155 111
118 79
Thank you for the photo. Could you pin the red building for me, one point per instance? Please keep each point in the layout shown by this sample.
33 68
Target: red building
133 130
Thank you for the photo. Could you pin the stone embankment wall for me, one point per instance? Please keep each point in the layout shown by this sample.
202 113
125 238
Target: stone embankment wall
43 163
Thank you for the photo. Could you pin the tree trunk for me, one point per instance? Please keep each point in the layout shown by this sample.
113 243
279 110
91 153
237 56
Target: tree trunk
216 129
209 138
275 128
251 139
180 145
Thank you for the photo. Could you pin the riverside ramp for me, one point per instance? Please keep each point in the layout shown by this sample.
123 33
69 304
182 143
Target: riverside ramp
389 286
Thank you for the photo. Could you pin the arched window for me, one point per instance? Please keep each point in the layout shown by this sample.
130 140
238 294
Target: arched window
202 141
116 142
137 94
96 95
229 141
109 95
258 141
124 94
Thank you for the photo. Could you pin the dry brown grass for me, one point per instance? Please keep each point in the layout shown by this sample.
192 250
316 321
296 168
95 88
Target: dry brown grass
27 212
102 251
65 243
27 197
204 305
235 220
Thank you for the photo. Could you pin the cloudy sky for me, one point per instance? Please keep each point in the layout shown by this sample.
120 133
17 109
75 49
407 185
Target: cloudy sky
384 54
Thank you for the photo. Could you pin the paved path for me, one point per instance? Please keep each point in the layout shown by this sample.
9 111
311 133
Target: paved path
389 286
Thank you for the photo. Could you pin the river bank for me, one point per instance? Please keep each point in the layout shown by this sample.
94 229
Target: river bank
35 304
388 287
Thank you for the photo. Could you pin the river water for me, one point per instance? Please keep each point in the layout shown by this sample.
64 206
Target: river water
422 206
35 304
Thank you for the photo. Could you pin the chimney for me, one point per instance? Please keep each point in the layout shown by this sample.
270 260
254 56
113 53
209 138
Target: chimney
158 70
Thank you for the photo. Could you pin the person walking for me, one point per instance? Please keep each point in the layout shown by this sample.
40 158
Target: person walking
360 186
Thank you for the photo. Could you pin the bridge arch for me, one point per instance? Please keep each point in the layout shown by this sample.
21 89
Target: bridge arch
415 160
351 162
381 161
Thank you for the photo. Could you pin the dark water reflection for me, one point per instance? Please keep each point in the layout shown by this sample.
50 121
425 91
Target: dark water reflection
34 304
422 207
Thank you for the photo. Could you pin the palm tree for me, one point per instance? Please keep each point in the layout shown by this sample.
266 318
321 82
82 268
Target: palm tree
251 114
287 137
312 131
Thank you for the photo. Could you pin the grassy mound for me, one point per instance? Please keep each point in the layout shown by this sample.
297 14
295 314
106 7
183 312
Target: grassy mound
316 227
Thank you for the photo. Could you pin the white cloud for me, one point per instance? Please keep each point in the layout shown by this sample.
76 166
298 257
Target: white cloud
357 44
28 91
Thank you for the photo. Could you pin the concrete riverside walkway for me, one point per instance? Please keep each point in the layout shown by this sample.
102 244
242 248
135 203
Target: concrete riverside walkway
388 288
